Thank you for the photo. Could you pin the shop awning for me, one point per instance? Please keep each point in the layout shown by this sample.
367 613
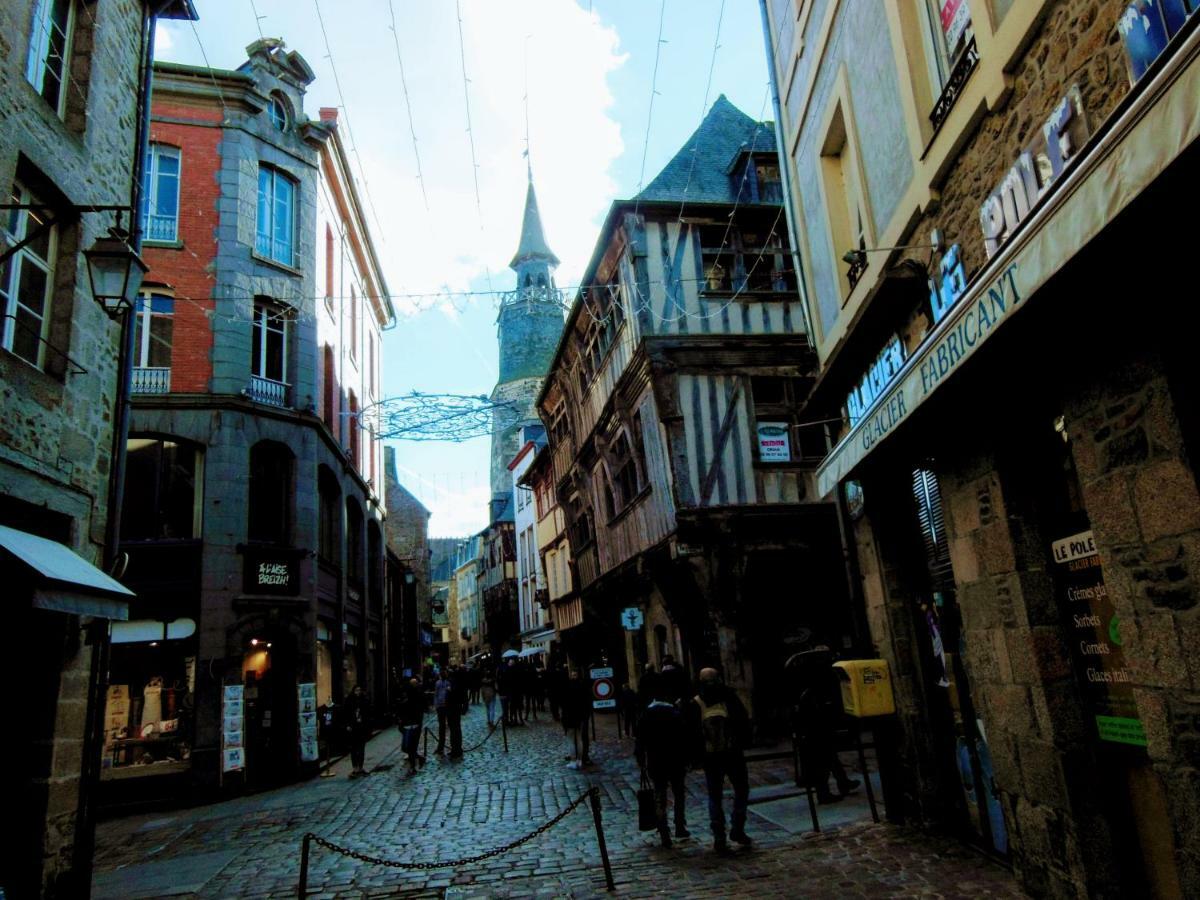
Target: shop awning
1161 120
64 581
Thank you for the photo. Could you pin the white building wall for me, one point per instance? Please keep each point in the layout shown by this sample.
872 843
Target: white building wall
530 616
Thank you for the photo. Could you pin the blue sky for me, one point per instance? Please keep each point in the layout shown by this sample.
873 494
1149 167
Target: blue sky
589 67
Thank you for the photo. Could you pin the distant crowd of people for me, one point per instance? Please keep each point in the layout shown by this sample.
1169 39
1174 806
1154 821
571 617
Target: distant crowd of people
677 725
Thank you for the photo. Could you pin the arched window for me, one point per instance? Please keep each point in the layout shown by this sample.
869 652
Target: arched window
329 517
354 541
270 503
278 112
163 490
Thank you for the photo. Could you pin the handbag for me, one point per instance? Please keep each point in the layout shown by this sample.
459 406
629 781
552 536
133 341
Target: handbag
411 735
647 810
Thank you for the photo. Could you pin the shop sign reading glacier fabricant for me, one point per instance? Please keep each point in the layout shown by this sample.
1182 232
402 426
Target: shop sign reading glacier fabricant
955 339
881 373
1129 152
1059 139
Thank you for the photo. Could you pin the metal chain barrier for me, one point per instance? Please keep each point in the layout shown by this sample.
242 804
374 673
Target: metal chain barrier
592 794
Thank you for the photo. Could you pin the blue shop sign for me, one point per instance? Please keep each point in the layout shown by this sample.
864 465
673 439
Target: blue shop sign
950 284
1146 28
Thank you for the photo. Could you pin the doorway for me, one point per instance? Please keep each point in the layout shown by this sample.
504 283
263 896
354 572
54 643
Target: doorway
269 680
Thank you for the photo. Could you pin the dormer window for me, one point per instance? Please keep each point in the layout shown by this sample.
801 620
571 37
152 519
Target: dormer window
278 112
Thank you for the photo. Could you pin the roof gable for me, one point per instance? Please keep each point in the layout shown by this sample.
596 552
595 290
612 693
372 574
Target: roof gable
699 172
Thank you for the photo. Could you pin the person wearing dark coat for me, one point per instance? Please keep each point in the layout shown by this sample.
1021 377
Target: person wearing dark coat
661 751
720 730
457 702
410 716
676 686
576 715
358 728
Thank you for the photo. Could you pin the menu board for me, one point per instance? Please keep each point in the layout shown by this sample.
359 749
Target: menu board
233 749
1095 640
306 703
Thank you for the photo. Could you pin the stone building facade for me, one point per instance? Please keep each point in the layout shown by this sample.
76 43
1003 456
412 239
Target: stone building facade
253 514
70 101
407 530
1015 454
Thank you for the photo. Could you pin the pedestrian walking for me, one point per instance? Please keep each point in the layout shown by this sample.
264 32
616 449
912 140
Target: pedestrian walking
817 712
457 701
576 714
720 731
661 750
628 708
357 711
487 690
675 681
441 693
555 687
410 717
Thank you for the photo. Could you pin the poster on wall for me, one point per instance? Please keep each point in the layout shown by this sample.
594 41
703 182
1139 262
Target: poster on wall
1096 640
232 718
306 696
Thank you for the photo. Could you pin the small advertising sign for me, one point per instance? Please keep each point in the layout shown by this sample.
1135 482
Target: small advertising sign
1096 639
306 696
270 572
773 444
232 751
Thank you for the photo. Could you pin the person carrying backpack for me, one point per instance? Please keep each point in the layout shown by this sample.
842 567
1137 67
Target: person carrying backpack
720 731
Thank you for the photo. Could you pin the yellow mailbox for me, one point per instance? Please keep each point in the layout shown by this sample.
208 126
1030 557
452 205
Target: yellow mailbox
866 687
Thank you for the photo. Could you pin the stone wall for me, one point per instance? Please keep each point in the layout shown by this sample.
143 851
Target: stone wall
56 424
1077 44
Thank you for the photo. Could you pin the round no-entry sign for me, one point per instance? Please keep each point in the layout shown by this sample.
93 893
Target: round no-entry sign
604 692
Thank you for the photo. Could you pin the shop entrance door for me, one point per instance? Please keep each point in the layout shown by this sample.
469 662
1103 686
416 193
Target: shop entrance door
959 732
1125 786
269 676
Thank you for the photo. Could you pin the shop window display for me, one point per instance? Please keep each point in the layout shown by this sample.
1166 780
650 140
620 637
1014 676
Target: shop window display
149 710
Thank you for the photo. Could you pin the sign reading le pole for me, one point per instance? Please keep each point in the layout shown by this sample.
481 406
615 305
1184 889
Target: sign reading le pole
604 692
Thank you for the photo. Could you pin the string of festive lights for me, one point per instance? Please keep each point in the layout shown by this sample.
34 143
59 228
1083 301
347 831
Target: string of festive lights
408 104
337 83
662 10
462 52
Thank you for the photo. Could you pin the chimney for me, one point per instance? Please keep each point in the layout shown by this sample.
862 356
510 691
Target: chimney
329 114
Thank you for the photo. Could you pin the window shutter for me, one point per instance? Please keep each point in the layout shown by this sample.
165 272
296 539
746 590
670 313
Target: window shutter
931 520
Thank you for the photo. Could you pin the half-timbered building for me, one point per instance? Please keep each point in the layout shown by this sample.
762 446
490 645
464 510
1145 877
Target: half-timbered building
677 453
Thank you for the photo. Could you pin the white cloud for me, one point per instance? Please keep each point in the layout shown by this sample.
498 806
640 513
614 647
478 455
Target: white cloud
573 136
164 42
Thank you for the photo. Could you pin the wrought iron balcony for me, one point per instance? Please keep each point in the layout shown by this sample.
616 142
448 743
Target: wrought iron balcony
265 390
147 380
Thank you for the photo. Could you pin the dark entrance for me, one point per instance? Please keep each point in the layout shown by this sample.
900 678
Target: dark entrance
959 733
272 735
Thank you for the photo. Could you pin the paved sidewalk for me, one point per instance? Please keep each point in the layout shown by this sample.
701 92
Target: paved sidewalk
250 847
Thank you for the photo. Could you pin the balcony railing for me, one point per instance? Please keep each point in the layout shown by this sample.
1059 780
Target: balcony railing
161 228
280 251
147 380
265 390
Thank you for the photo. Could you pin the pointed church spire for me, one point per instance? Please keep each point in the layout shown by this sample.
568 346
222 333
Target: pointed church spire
533 240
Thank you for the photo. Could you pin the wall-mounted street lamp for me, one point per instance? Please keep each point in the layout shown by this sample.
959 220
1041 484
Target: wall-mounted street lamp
115 271
857 259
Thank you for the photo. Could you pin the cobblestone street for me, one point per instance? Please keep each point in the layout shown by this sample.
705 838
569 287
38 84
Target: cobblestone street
250 847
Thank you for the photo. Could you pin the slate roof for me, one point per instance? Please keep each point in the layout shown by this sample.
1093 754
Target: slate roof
725 132
533 239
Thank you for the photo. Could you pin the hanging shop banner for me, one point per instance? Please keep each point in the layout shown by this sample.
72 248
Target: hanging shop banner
306 699
1096 639
1126 155
233 753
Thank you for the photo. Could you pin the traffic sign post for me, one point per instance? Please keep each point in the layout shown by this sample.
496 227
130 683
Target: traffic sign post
604 692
